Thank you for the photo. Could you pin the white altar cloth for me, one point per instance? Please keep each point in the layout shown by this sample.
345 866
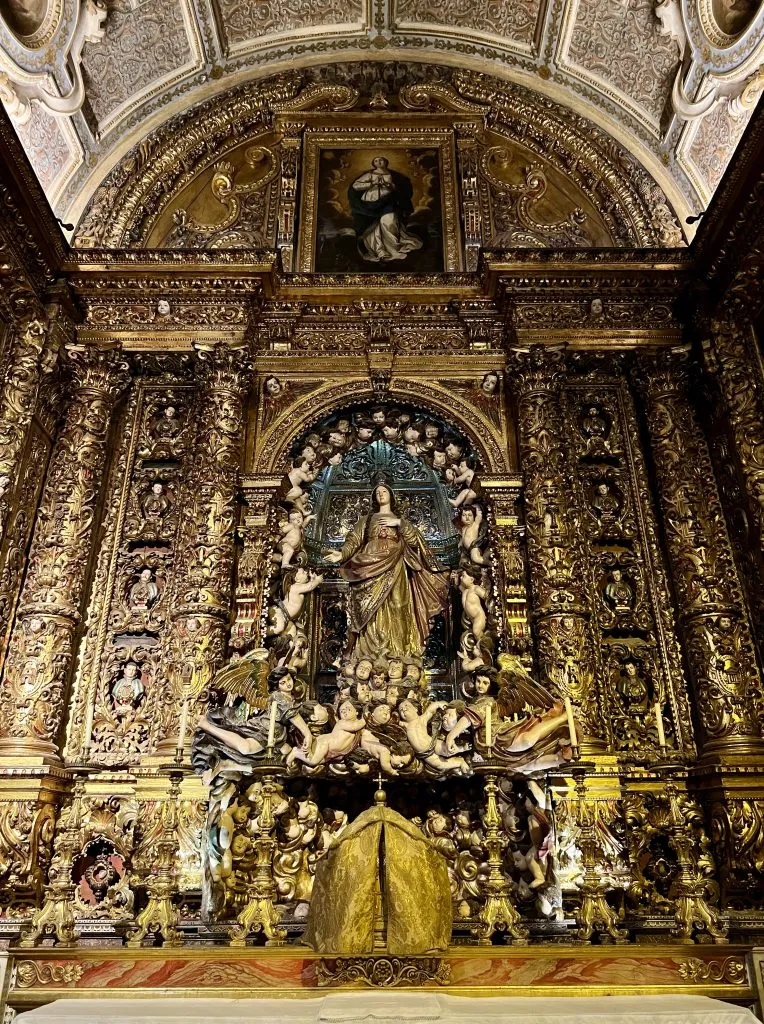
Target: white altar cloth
404 1007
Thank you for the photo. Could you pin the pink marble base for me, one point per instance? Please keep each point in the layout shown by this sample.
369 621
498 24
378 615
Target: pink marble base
40 976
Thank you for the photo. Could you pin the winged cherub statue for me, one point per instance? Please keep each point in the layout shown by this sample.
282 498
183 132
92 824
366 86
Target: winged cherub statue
529 727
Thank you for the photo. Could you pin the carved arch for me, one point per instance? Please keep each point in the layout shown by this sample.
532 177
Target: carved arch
272 447
144 182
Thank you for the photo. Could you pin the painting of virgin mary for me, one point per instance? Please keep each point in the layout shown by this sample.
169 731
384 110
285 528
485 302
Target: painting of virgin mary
381 204
379 211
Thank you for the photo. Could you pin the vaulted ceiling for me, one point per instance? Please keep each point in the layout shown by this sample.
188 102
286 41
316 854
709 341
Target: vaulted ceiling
673 82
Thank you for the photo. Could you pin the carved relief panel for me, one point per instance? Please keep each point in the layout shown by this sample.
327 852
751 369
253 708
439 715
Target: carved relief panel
120 668
642 671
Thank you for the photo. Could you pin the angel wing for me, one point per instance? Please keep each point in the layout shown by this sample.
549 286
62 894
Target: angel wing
518 688
246 678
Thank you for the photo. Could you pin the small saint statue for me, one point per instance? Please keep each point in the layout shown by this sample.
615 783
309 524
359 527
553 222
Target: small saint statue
156 504
167 425
596 430
144 593
619 593
127 690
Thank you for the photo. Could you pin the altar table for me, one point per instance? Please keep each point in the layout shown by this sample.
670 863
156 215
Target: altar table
375 1007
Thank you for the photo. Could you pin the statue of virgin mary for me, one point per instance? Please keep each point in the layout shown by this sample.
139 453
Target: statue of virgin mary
396 586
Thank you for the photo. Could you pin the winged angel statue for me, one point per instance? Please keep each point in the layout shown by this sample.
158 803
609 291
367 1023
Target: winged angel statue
506 715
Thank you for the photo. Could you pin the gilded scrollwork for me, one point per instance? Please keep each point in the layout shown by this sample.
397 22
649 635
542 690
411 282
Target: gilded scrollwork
31 357
26 834
712 615
561 605
203 575
641 660
41 643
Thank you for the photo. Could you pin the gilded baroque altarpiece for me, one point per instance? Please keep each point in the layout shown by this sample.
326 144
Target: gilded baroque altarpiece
354 484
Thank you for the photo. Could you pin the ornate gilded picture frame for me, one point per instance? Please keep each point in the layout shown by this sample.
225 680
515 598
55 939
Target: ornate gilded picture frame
379 200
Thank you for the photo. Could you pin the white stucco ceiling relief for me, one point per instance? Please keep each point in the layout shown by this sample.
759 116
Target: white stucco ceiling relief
672 81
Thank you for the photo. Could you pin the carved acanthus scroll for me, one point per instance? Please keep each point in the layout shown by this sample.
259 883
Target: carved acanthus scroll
712 616
560 601
40 654
204 566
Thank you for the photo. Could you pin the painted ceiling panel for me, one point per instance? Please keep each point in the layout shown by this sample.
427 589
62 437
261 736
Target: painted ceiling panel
673 82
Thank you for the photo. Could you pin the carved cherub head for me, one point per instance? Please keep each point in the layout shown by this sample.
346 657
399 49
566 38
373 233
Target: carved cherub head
281 679
395 669
349 710
273 385
407 710
363 669
489 383
360 690
483 683
380 714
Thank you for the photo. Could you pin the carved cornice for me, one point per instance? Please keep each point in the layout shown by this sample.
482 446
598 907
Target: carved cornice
29 233
732 231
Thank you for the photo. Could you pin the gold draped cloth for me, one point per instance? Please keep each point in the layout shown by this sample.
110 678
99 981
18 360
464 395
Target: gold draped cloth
416 887
396 588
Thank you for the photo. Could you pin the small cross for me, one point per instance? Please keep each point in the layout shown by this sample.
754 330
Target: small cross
380 779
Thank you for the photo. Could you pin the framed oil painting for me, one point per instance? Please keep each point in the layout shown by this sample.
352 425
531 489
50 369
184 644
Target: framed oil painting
375 202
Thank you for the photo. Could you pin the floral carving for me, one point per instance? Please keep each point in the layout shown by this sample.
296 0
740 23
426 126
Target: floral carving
142 44
715 141
623 46
41 643
712 615
245 22
510 21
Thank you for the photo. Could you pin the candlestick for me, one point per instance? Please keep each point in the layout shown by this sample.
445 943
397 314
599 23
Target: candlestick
272 725
571 723
659 724
183 725
488 735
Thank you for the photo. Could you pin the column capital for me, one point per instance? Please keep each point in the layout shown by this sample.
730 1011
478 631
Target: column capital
224 367
663 374
96 370
540 368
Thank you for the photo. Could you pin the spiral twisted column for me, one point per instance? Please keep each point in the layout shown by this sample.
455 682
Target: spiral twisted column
41 645
713 621
203 582
561 609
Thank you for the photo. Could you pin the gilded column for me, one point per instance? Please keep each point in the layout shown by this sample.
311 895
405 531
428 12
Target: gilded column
202 588
41 645
561 610
712 616
17 404
733 360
